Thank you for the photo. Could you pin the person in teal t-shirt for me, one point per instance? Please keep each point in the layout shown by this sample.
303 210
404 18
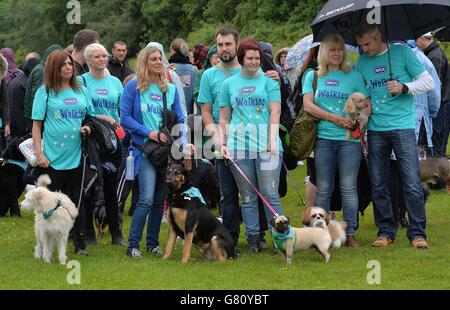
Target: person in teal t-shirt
105 91
227 40
336 82
391 85
250 108
61 105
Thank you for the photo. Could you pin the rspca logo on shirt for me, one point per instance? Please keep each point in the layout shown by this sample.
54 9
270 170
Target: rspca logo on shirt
155 97
248 90
70 101
102 92
332 83
380 69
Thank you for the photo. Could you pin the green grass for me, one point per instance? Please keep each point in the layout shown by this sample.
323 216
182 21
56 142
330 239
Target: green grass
402 267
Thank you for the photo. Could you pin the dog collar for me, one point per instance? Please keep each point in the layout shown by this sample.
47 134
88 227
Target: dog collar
49 213
194 192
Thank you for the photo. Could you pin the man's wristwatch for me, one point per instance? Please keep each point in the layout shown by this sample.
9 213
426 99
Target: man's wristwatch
405 89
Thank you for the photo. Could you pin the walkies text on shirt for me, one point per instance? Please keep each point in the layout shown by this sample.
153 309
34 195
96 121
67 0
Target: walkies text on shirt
66 114
333 94
250 102
104 103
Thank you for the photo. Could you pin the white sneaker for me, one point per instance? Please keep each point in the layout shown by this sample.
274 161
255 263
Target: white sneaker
134 253
300 163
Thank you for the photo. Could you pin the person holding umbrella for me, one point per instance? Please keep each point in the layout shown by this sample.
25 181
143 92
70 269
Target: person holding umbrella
391 127
336 82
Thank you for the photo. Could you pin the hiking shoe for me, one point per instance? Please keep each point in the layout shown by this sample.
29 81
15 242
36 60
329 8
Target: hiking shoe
155 250
81 252
262 244
134 253
419 243
382 242
351 242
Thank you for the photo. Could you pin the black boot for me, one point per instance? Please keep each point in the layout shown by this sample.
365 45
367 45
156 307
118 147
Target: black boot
253 244
90 237
117 238
79 240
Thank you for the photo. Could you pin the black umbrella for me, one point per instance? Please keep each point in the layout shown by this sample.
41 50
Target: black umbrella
443 34
399 19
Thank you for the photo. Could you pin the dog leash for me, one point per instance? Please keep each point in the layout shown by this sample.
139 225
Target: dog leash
254 187
83 173
294 185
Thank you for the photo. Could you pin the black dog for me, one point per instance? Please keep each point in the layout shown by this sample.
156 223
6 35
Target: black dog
190 219
11 176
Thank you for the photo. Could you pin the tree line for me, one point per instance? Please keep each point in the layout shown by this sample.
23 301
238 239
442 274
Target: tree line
33 26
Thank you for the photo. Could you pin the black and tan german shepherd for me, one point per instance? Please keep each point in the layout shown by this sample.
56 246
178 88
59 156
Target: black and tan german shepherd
191 220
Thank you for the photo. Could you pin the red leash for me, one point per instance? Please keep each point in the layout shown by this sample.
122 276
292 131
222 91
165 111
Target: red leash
254 187
356 134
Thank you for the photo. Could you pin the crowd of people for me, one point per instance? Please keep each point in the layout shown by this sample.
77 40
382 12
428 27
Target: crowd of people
240 92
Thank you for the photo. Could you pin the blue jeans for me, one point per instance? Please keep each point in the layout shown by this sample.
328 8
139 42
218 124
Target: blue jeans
345 155
229 199
404 144
264 173
152 190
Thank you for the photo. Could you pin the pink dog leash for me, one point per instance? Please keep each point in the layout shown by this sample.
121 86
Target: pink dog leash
254 187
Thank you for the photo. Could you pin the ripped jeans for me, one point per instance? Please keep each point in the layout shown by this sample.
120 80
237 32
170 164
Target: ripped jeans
264 173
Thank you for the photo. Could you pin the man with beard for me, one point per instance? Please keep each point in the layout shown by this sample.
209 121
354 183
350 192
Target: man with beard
227 40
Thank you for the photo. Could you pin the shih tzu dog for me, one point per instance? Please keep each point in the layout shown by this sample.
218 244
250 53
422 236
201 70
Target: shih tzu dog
55 214
318 217
288 239
357 109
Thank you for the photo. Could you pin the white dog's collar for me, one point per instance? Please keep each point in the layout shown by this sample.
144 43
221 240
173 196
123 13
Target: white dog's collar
49 213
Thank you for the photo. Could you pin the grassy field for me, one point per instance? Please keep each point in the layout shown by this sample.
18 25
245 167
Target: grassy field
402 267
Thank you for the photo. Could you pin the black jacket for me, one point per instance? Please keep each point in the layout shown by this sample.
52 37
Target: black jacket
118 69
4 107
437 56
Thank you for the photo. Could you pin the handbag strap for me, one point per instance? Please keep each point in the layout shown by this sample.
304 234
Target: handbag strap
221 67
316 77
165 120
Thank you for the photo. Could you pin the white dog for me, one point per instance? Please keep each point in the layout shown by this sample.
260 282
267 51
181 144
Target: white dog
318 217
55 214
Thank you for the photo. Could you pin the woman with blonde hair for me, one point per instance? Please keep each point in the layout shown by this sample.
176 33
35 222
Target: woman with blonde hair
335 82
142 114
105 91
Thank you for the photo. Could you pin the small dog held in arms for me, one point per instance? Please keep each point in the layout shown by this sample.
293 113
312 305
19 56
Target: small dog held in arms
55 214
318 217
288 239
357 109
190 219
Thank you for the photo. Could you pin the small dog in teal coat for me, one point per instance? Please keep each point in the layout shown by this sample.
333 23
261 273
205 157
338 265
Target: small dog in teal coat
288 239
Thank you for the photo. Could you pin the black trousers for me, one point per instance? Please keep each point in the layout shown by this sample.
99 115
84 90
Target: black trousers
111 203
69 182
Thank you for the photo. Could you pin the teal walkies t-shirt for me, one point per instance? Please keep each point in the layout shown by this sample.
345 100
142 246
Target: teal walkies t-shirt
105 94
390 113
152 107
333 91
63 115
210 87
249 99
